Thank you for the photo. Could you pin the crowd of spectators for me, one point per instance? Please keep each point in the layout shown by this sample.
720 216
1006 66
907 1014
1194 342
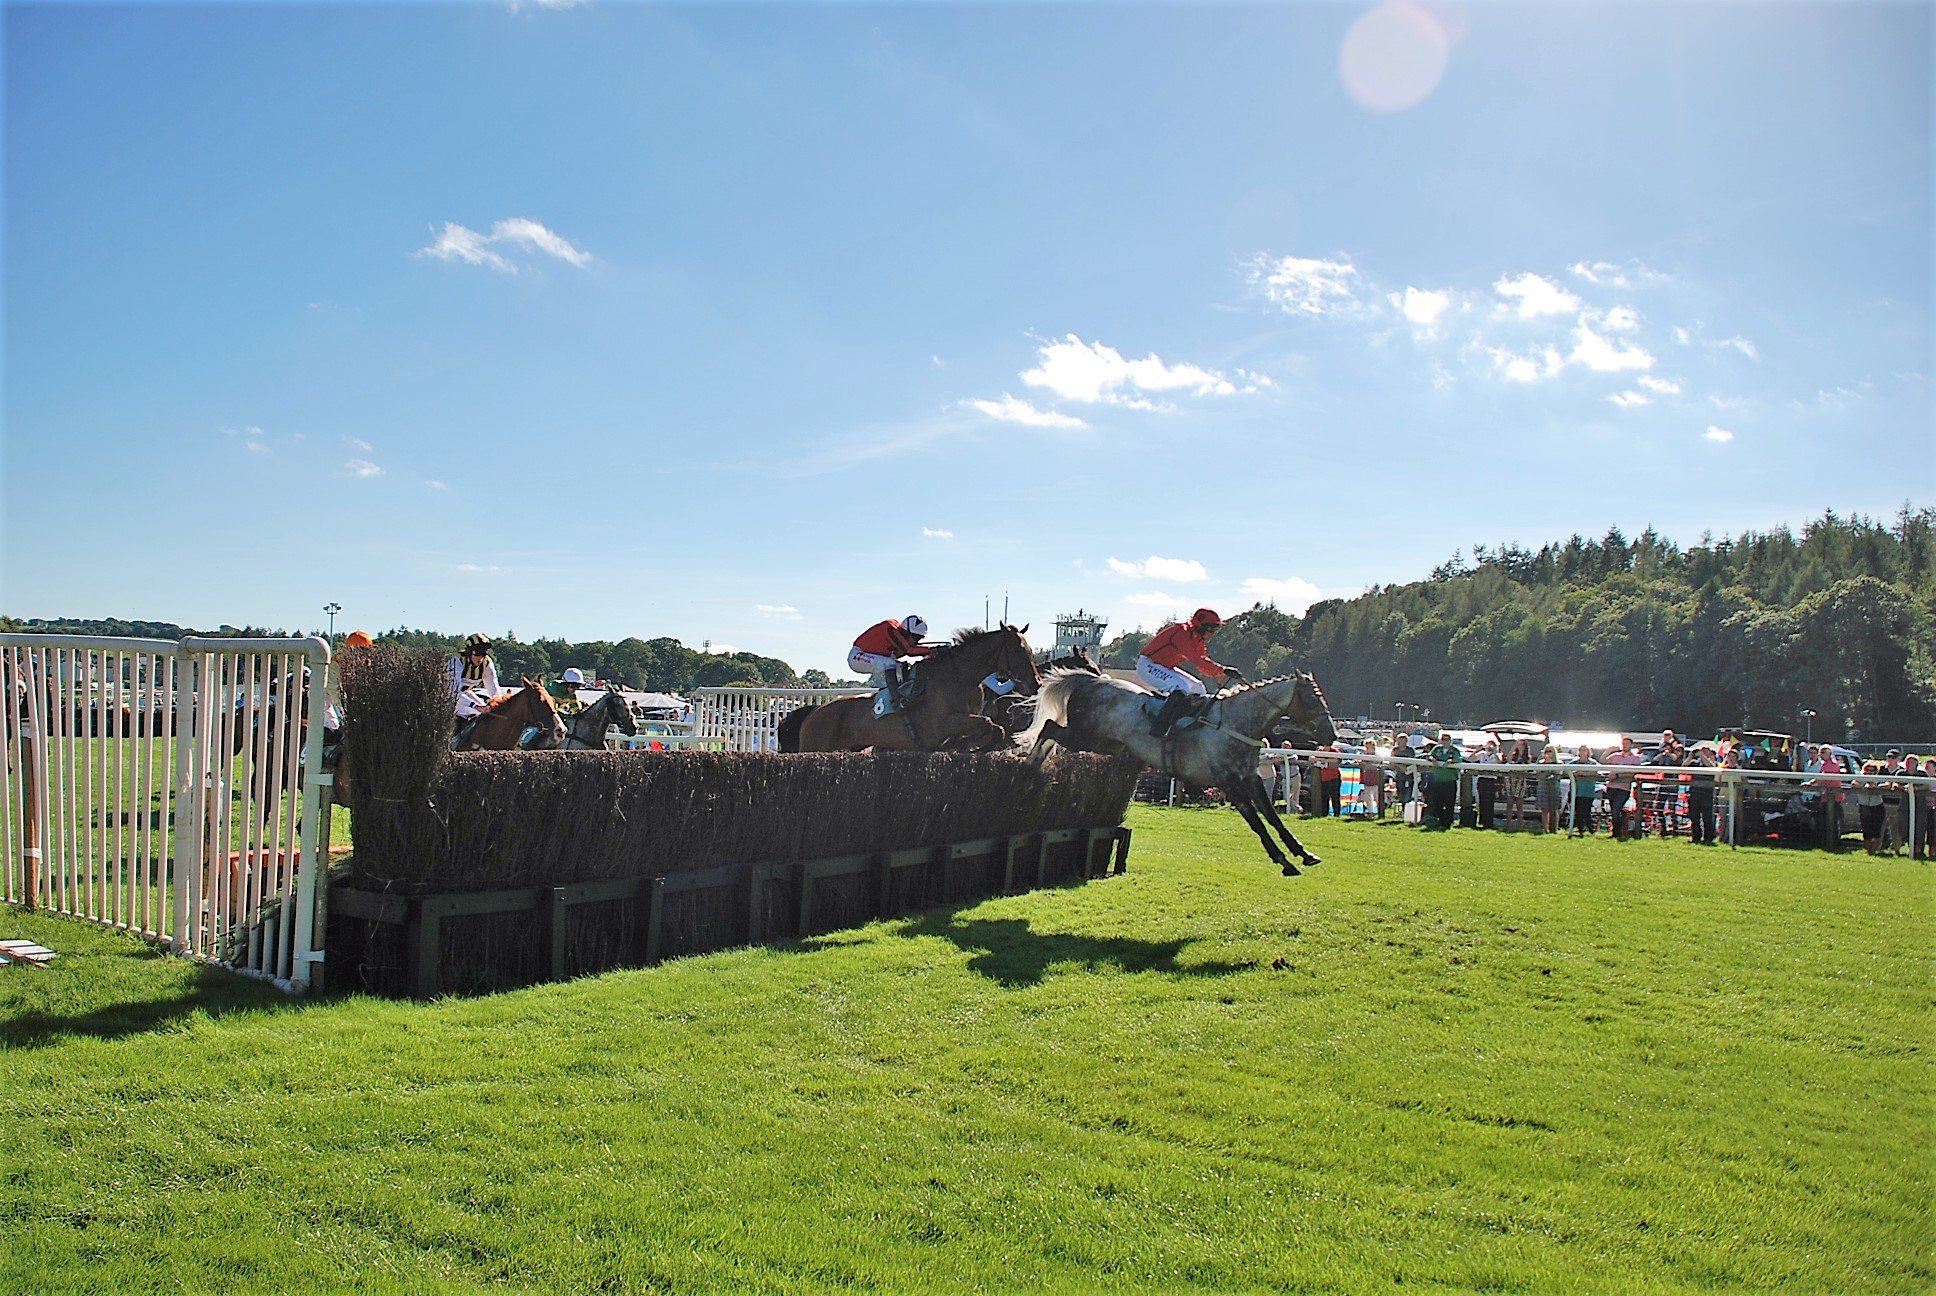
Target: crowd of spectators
1585 791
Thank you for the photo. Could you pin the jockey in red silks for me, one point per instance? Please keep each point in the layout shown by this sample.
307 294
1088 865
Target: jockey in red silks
880 648
1184 644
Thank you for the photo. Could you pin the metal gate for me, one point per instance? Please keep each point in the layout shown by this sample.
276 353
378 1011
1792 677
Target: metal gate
170 789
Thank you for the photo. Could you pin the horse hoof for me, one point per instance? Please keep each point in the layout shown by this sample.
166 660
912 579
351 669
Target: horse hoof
1290 869
1310 859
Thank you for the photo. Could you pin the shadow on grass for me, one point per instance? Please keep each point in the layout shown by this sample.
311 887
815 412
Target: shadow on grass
1009 952
202 990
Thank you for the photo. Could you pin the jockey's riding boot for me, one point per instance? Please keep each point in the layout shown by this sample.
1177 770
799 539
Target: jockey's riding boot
1166 715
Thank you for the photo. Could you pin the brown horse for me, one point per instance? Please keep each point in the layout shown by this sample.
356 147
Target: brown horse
503 724
940 717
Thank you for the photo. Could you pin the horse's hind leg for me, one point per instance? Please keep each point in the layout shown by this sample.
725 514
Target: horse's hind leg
1248 809
1268 808
1051 734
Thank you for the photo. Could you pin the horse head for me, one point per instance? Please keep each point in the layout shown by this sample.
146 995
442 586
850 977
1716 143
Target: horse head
541 714
1309 715
619 711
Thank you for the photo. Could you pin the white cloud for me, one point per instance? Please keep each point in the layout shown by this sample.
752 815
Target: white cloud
779 611
1629 399
255 447
1621 319
472 568
1095 373
358 443
362 468
1631 275
434 484
1526 368
1537 296
1714 433
1682 336
1423 308
1010 410
1740 344
1293 594
456 242
1305 285
1660 386
1157 599
936 533
723 649
1602 356
1166 569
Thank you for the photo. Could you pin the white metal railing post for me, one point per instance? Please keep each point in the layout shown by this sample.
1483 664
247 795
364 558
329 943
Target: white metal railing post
310 866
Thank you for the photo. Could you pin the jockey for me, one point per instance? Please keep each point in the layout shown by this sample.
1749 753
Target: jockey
473 677
1175 646
880 648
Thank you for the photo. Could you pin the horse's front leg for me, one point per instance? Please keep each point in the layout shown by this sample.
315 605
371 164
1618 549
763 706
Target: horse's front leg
1268 808
971 733
1050 736
1240 796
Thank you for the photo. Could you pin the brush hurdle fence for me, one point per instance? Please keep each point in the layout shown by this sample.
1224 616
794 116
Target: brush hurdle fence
748 719
167 789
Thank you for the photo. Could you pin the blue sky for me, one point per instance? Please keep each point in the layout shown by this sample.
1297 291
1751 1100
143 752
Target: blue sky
754 324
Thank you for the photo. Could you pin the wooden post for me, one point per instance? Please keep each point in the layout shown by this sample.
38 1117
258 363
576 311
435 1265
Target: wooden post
30 856
424 944
558 928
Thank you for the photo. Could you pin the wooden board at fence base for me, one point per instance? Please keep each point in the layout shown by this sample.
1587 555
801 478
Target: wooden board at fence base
25 951
405 945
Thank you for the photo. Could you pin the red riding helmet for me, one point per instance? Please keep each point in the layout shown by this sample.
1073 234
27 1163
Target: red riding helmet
1205 619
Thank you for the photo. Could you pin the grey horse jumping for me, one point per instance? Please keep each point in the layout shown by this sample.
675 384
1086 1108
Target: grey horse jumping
1085 712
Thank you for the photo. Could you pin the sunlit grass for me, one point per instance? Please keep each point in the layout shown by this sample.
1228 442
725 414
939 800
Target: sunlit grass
1461 1060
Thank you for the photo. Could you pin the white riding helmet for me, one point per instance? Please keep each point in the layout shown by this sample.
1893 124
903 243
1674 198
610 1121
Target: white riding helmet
574 676
914 625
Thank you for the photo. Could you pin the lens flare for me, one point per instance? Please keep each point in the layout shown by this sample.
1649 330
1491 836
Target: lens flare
1394 56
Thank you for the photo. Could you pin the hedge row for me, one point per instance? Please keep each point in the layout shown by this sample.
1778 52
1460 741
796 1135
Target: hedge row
495 820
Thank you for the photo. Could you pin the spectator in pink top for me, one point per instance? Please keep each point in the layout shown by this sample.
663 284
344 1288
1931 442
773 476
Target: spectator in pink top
1620 788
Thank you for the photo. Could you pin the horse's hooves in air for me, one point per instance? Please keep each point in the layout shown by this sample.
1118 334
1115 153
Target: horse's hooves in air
1290 869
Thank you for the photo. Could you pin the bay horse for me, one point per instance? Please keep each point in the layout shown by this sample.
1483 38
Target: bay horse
1100 713
503 724
941 715
586 730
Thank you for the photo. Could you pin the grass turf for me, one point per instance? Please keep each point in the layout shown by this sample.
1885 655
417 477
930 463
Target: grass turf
1463 1061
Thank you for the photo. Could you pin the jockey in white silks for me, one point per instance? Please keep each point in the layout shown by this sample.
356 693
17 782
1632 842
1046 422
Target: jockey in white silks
473 678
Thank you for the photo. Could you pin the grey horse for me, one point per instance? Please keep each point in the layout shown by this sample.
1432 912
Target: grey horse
1085 712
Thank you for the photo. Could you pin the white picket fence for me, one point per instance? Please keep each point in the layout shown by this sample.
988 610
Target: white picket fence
748 719
166 789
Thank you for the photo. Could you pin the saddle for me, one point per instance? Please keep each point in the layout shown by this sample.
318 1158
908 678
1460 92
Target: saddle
1173 712
898 694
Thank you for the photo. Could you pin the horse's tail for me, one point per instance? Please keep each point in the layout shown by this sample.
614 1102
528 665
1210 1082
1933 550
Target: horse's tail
790 727
1051 703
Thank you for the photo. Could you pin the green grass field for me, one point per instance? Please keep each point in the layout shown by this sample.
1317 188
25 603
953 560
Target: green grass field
1461 1061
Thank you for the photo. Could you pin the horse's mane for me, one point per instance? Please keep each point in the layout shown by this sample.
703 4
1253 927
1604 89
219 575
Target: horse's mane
969 634
502 699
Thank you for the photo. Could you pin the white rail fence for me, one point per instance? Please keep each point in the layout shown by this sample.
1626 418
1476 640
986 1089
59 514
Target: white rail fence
748 719
169 789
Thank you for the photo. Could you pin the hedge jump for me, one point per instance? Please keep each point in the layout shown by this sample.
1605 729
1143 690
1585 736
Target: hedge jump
481 941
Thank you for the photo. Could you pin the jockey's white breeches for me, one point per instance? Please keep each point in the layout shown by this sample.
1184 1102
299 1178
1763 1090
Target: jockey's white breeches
469 704
872 664
1163 679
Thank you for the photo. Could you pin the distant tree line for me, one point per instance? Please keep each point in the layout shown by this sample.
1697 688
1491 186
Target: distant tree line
1840 619
662 664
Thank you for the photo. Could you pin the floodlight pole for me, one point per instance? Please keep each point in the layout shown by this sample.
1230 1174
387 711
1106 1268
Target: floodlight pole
331 608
